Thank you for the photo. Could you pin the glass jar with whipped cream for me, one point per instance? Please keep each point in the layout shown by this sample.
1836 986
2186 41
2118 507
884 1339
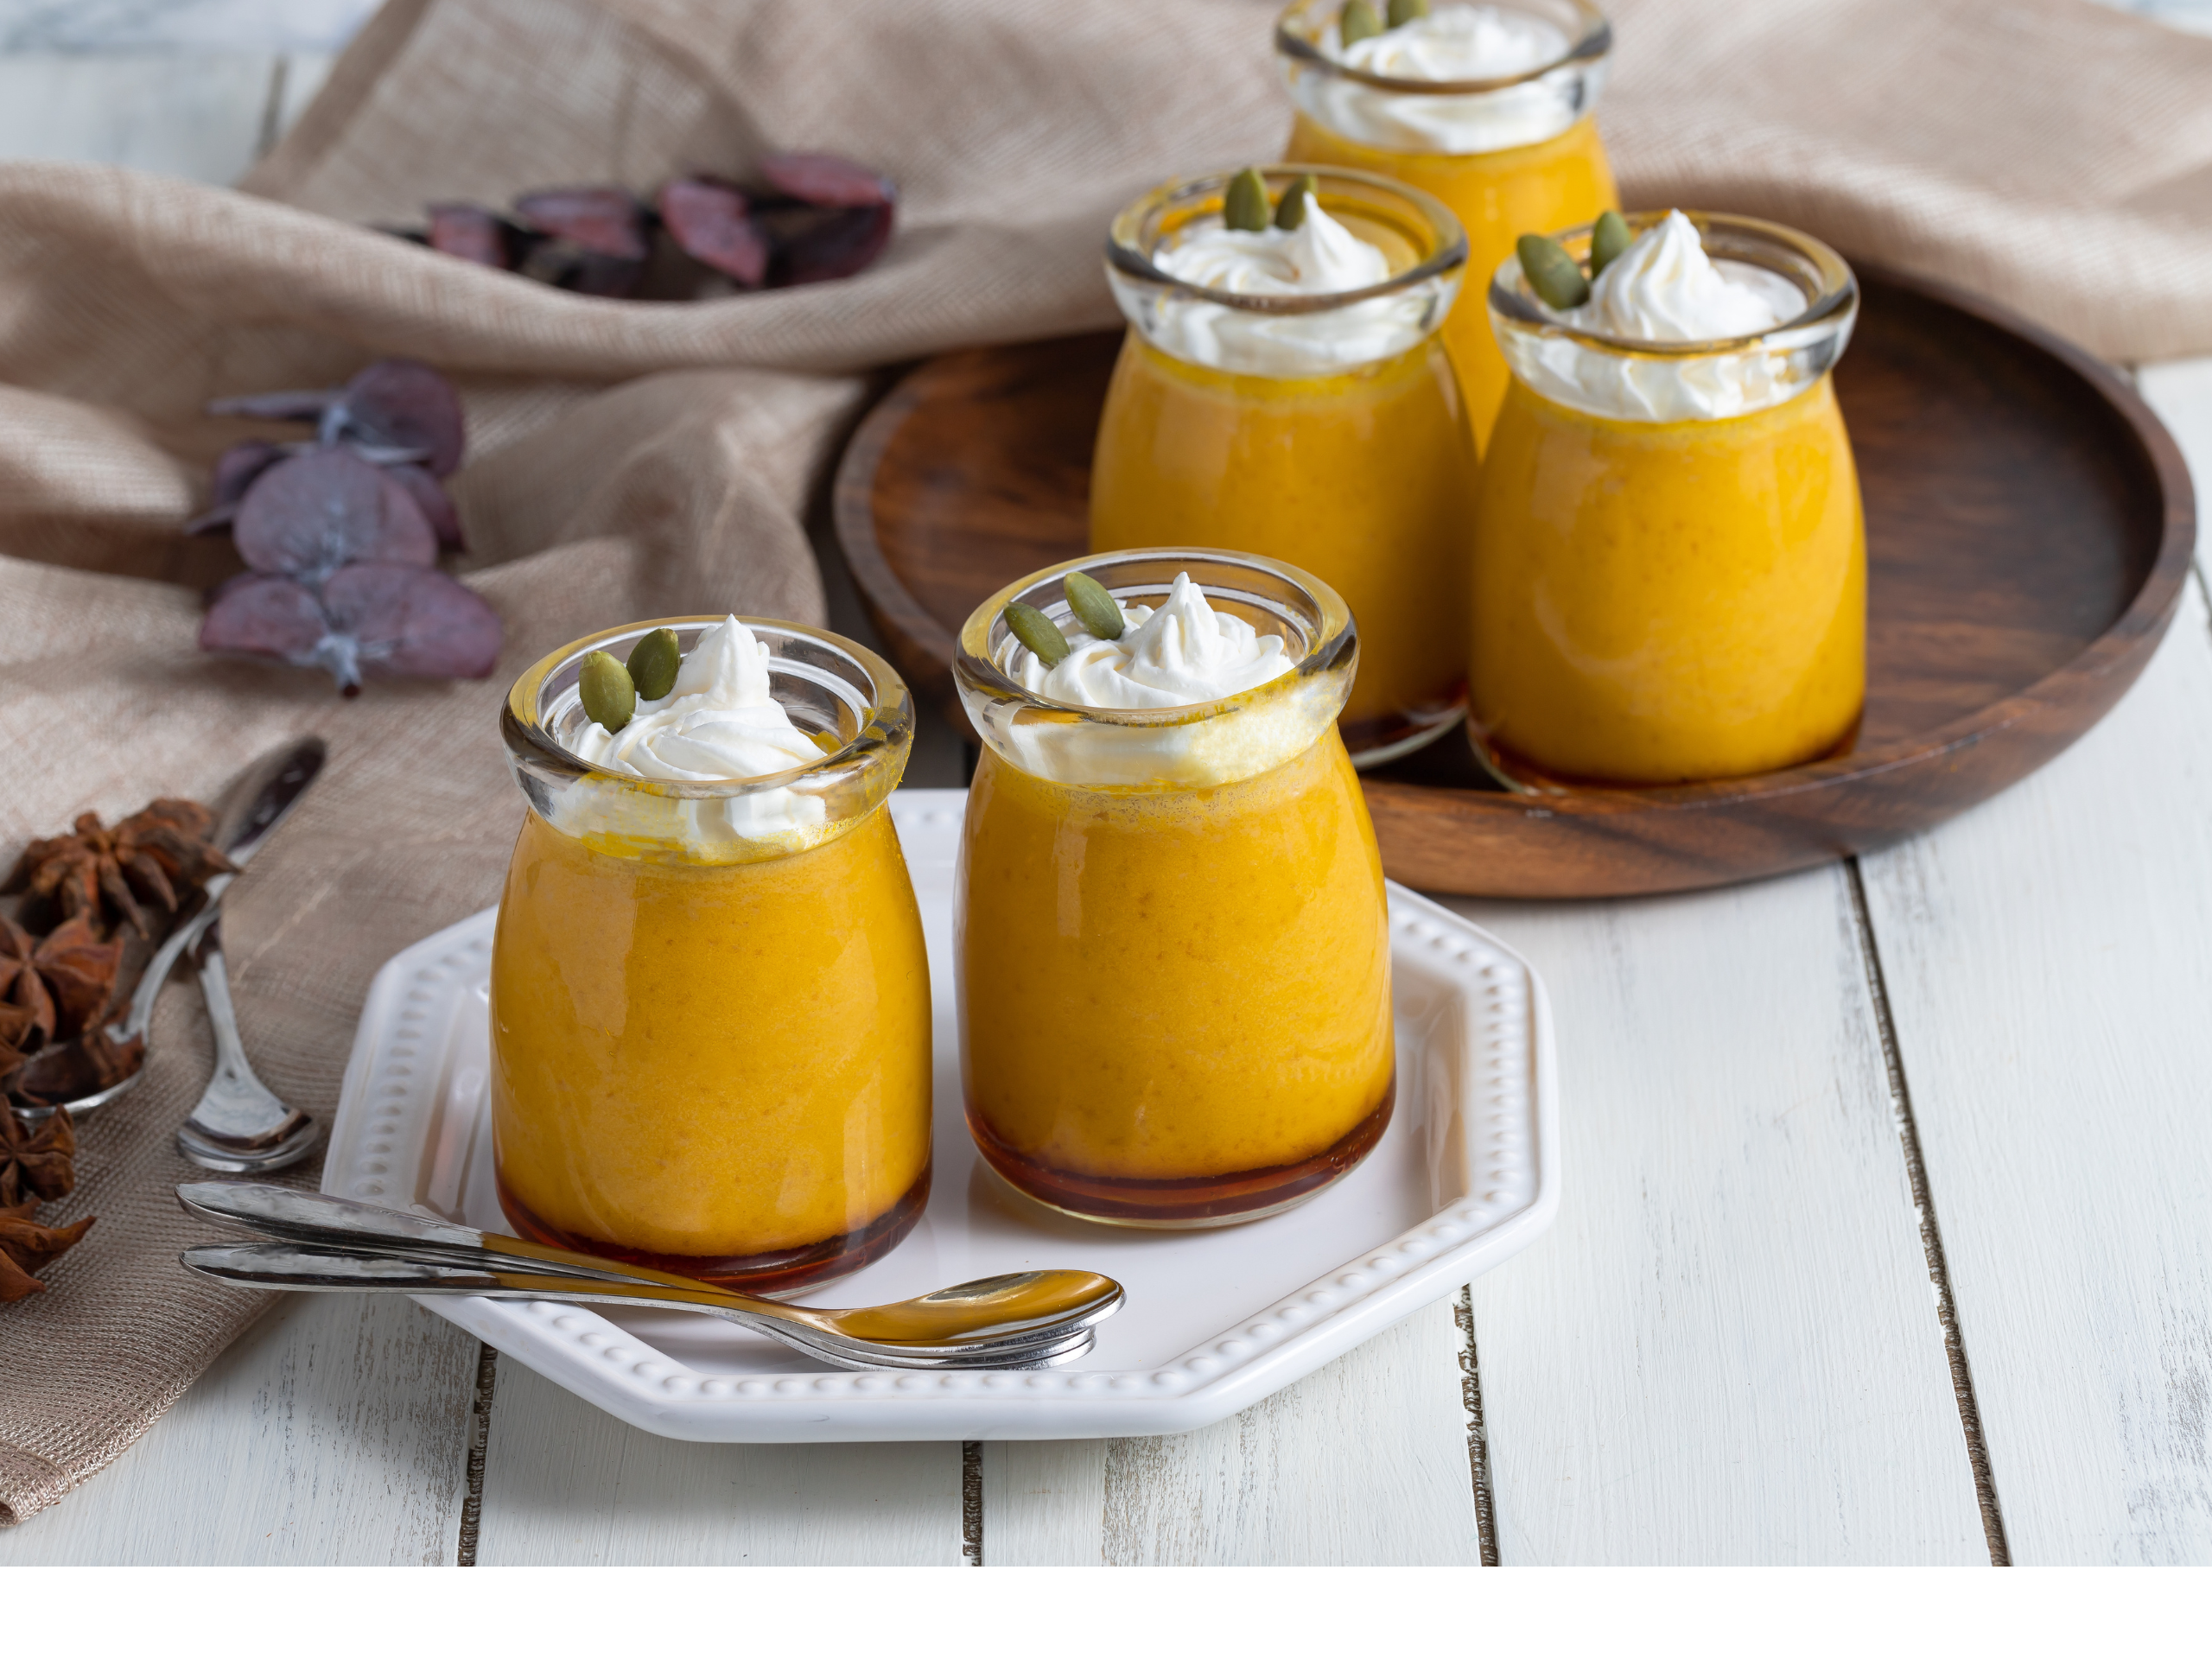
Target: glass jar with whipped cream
1488 107
1282 391
1173 946
1671 583
710 1006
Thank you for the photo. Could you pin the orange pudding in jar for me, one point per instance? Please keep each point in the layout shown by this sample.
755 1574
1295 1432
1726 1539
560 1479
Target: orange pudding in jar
1487 107
710 1013
1282 391
1174 947
1672 583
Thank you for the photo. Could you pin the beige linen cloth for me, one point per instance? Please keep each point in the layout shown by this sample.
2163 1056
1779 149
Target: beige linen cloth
637 460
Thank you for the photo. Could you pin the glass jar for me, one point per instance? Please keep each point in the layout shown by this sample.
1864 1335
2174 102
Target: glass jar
1511 155
1174 947
1322 429
1671 583
710 1005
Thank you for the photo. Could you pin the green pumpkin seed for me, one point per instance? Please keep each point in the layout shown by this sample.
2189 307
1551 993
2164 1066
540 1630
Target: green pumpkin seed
1290 211
609 695
1551 270
1038 632
1357 21
653 662
1094 606
1609 239
1404 11
1244 205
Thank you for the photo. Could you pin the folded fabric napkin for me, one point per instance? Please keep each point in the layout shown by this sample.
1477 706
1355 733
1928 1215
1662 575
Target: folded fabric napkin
637 460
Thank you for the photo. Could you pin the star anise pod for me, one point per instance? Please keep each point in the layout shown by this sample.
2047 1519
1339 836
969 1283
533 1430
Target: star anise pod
38 1163
66 1072
19 1036
108 876
63 980
26 1247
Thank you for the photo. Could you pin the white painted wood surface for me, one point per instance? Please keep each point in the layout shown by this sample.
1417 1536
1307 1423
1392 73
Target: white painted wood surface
566 1484
197 117
1363 1463
1727 1349
2049 962
333 1433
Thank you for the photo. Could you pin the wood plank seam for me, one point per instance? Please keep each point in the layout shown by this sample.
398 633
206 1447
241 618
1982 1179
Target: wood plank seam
479 1434
1470 1391
1931 1237
971 1502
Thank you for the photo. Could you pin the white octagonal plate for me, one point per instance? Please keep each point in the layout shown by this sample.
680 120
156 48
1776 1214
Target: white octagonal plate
1466 1174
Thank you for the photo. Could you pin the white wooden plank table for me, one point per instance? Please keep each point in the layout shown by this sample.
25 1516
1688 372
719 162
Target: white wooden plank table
1887 1235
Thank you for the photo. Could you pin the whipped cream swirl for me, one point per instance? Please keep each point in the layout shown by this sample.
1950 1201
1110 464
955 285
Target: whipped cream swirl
1183 652
1322 256
1665 287
1453 43
719 723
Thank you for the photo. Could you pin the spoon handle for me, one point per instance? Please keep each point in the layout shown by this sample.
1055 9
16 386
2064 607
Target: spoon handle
288 1267
180 939
314 1218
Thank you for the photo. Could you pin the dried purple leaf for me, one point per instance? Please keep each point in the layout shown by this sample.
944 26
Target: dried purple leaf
400 405
609 221
467 231
430 495
827 180
307 516
814 246
393 410
409 621
240 465
395 619
235 469
559 263
711 220
264 616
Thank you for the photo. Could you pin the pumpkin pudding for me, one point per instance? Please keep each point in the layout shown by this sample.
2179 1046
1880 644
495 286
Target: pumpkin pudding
1174 948
1672 576
710 1013
1487 108
1281 391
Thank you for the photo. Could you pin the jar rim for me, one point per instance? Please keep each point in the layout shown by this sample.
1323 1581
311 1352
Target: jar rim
1592 45
882 712
1126 255
1826 277
1330 636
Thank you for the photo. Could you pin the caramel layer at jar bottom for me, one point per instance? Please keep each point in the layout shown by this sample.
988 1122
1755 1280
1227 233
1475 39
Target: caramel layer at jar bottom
805 1264
1200 1201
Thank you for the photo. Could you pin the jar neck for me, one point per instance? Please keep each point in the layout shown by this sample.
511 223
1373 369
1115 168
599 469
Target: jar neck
1665 381
1192 747
1268 328
839 695
1466 80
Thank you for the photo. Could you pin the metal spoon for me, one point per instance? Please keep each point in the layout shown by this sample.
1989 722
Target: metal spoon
1013 1322
240 1124
255 804
982 1303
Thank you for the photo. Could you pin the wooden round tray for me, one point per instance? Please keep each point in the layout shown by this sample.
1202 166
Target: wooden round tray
2029 524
